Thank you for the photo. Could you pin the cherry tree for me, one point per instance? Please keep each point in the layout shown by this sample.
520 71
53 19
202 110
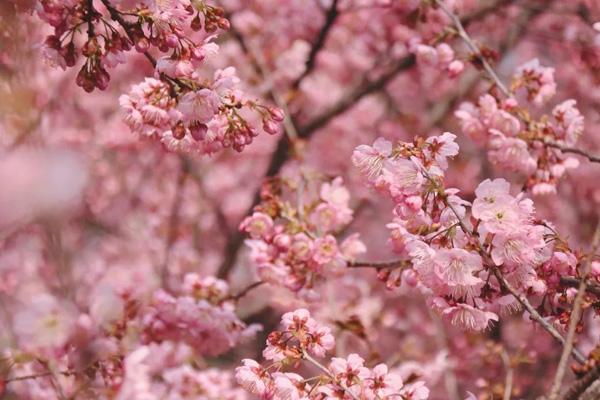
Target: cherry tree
299 199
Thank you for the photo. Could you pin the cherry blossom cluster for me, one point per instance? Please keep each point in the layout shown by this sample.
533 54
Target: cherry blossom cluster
292 238
202 317
301 338
441 57
179 107
454 255
102 34
162 372
517 141
200 117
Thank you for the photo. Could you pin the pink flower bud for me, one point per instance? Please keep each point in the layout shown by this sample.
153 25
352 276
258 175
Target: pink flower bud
455 68
276 113
142 45
270 127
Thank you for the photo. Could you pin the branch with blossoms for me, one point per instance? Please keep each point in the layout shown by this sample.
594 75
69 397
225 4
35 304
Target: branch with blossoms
302 338
292 233
181 108
535 150
466 263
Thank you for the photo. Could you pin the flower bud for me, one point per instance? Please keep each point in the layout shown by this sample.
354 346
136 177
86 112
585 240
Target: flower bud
270 127
276 113
198 131
179 131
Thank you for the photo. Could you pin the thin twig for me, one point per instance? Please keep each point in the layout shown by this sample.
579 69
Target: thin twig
568 149
317 364
508 384
576 314
246 290
474 48
330 17
379 264
535 315
571 281
116 16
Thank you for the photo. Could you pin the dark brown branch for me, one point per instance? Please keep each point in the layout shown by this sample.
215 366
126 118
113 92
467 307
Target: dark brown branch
330 17
380 264
246 290
581 385
571 281
173 222
116 16
574 150
89 17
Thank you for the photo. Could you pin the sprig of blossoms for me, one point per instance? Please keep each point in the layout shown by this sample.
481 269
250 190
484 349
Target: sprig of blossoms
518 142
203 317
198 117
301 338
454 253
103 34
179 107
292 238
441 57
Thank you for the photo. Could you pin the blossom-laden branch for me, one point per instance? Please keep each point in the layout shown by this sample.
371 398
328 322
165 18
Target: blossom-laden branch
184 110
473 47
576 314
454 256
574 150
543 169
535 315
302 338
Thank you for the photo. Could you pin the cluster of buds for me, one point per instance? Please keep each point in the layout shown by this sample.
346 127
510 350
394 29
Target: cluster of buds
180 108
344 378
518 142
203 317
196 118
110 33
441 57
292 238
537 80
452 255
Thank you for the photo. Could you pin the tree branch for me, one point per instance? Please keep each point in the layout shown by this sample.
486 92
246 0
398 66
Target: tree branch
474 48
580 386
379 264
535 315
576 314
567 149
173 221
330 17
